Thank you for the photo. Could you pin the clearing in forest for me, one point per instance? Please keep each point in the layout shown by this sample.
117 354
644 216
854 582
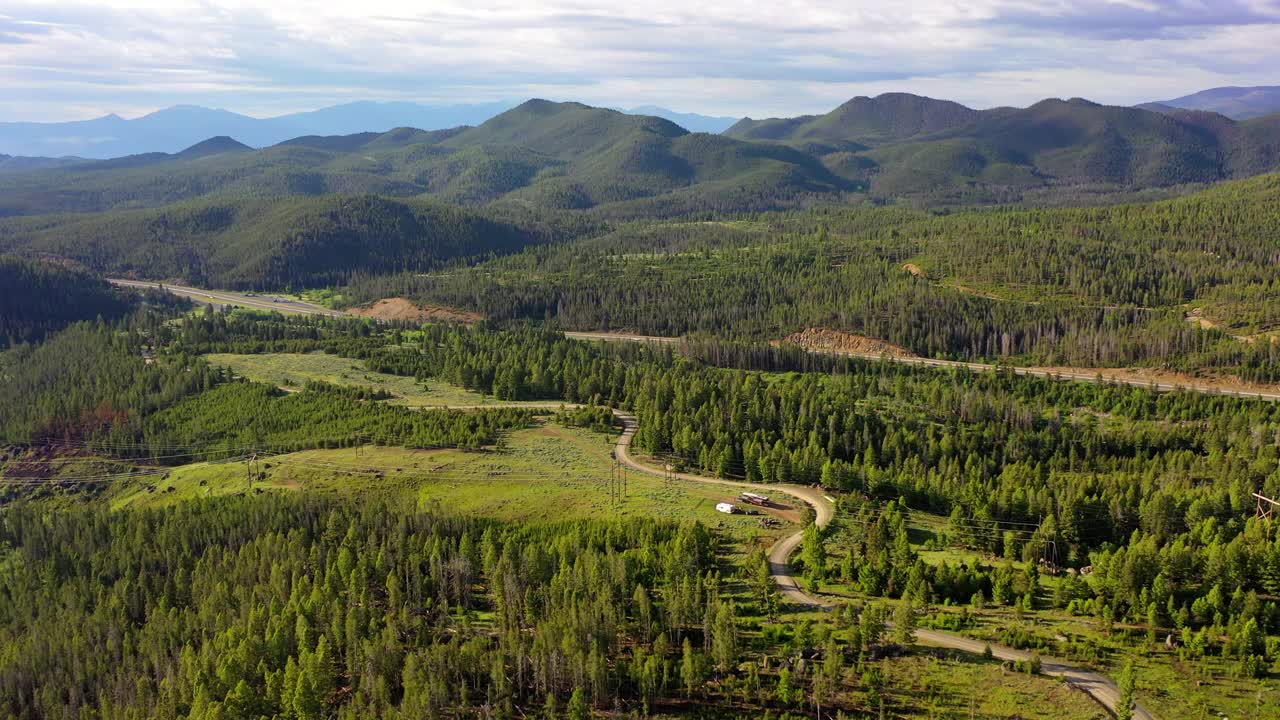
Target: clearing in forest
547 472
294 370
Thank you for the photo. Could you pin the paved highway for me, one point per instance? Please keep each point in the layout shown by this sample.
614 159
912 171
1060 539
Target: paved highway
225 297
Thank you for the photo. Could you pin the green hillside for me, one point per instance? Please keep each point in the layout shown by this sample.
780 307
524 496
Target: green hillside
941 152
269 243
562 155
42 297
572 156
1093 287
888 118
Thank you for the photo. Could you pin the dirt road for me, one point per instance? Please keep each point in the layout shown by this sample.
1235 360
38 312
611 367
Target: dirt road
1098 686
283 304
1111 375
780 553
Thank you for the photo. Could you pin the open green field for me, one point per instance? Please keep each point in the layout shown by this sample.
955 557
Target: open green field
950 684
547 472
294 370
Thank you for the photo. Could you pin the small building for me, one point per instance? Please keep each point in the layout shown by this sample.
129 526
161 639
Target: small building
726 508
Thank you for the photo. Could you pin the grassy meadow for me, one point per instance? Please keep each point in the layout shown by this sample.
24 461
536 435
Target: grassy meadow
547 472
295 370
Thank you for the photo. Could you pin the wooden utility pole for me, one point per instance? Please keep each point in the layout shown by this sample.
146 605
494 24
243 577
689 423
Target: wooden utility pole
1266 506
250 469
618 481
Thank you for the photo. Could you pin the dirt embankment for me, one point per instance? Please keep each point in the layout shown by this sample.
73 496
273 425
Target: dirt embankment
402 309
915 269
842 342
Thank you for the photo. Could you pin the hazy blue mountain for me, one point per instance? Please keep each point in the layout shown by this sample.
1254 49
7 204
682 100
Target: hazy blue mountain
379 117
692 122
1237 103
174 129
11 164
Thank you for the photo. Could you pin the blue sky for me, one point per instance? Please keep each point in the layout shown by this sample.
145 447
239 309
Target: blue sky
66 59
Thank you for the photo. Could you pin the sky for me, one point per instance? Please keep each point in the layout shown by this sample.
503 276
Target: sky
69 60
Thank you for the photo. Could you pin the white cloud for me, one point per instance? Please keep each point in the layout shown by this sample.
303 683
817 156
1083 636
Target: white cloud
726 57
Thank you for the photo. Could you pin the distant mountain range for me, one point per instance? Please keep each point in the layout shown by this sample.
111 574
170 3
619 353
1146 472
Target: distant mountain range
1237 103
541 153
570 156
178 127
224 212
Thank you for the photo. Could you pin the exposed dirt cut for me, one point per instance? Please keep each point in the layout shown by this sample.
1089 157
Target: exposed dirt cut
402 309
842 342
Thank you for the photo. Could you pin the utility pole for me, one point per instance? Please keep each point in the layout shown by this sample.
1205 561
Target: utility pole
250 469
613 483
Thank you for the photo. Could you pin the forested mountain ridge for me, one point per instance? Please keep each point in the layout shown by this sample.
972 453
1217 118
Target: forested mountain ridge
1096 287
862 121
300 241
940 151
173 128
560 155
572 156
37 298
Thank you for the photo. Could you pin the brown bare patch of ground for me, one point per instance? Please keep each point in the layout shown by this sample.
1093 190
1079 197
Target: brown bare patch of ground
402 309
827 340
914 269
1196 316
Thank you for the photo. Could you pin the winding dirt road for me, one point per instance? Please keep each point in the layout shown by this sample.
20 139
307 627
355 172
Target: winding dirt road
1097 685
780 553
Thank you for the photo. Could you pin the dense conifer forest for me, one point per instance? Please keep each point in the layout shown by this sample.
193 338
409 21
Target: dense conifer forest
300 608
309 607
1100 287
37 298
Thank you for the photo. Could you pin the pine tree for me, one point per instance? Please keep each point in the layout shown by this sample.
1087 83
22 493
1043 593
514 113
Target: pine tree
1128 688
724 638
904 623
578 708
